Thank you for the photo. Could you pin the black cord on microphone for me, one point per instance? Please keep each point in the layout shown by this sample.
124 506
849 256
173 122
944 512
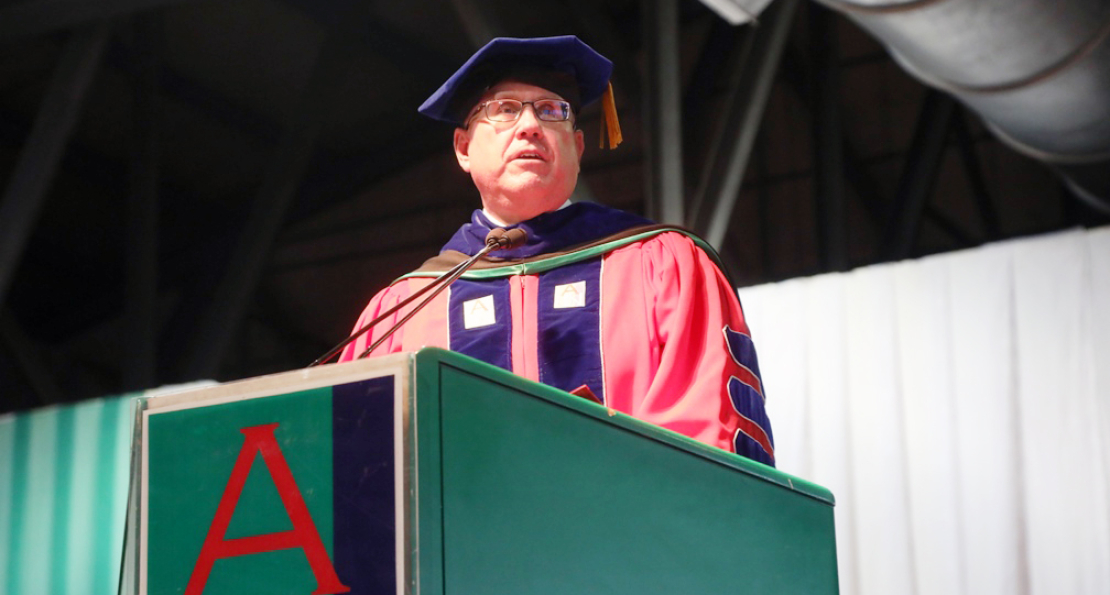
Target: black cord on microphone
496 239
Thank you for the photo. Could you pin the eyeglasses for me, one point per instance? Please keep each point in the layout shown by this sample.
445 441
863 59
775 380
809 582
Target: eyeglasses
509 110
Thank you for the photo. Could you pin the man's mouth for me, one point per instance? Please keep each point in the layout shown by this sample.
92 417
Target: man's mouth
530 155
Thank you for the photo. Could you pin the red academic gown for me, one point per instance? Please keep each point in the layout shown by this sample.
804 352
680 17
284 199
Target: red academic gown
644 317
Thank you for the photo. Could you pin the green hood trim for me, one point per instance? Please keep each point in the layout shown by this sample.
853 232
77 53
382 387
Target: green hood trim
492 269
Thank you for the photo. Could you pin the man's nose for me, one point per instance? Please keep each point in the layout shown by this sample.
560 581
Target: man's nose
528 124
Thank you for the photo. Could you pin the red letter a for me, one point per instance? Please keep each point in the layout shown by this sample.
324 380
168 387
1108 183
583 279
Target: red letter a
303 535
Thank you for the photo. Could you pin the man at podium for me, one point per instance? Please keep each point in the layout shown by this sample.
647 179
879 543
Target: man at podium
595 301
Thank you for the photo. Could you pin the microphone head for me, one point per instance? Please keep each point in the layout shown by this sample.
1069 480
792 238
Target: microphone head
494 236
513 238
502 239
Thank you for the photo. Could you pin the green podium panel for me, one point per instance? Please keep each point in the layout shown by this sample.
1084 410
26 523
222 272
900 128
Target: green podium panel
432 473
543 492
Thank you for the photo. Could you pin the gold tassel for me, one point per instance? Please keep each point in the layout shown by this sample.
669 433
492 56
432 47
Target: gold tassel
609 121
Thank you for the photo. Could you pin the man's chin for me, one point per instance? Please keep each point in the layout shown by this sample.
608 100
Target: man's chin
527 187
521 173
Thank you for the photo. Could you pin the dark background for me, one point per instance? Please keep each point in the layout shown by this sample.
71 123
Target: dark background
214 189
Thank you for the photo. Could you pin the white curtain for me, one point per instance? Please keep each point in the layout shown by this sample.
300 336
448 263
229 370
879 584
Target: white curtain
958 407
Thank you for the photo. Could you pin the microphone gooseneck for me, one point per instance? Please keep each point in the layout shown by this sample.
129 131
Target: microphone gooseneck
496 239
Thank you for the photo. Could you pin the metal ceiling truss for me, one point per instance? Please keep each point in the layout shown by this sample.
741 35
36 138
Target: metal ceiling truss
719 188
919 174
192 93
1049 100
47 142
881 209
606 37
720 50
973 170
828 141
662 112
38 161
272 202
32 18
479 22
141 284
294 183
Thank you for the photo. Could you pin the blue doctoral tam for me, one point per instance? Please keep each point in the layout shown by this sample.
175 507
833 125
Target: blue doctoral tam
563 64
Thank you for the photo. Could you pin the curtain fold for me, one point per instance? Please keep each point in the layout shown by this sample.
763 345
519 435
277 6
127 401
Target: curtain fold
958 406
64 473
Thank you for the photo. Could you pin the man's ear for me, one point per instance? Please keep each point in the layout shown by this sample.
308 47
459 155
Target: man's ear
462 148
579 142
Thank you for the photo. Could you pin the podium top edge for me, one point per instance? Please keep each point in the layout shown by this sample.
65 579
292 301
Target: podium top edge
152 402
434 356
302 379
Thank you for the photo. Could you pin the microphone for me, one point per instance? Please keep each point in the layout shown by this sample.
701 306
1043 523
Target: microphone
496 239
506 239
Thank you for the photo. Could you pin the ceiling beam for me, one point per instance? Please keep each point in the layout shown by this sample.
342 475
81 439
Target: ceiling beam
664 186
950 227
478 21
38 161
876 205
604 36
337 179
973 170
189 91
329 182
828 145
747 99
141 283
763 209
919 174
387 41
710 76
271 204
31 18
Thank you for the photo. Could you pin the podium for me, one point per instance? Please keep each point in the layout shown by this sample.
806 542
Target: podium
432 473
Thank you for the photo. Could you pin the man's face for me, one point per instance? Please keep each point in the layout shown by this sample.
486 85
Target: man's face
523 168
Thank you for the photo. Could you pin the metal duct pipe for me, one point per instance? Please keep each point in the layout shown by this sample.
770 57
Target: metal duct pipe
1036 71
